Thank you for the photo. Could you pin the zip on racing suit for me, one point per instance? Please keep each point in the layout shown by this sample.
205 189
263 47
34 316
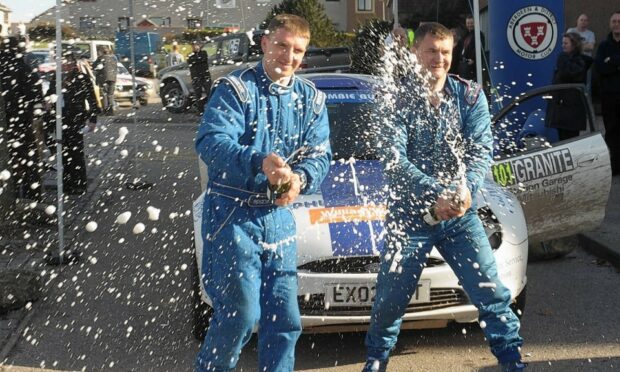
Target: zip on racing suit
249 258
418 160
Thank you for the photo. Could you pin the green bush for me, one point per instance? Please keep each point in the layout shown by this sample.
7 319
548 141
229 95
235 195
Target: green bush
366 47
47 32
323 32
191 35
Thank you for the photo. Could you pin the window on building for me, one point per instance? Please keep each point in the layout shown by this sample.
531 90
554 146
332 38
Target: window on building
194 23
161 21
123 23
88 23
364 5
226 4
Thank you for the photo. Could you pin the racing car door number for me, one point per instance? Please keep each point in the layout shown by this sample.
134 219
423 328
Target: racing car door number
359 294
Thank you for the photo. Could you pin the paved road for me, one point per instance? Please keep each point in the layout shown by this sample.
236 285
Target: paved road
126 305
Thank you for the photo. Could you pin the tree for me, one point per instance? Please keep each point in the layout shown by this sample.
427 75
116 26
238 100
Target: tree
366 50
47 31
323 32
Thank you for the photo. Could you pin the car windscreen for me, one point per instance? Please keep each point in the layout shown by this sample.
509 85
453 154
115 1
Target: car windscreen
34 59
350 126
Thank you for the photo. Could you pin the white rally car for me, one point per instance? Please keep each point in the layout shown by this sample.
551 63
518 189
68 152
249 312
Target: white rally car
340 231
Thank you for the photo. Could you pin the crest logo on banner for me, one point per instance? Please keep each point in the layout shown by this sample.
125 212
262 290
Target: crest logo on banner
532 32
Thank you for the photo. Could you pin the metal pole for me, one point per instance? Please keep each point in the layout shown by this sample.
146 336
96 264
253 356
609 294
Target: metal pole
242 16
478 42
59 168
395 13
137 183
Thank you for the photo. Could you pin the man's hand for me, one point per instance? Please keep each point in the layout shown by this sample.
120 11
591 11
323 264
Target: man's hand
276 169
453 204
292 193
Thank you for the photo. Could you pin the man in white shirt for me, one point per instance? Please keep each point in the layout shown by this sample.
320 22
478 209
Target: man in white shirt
588 40
587 35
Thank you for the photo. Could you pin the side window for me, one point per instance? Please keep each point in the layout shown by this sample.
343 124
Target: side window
255 50
210 48
230 48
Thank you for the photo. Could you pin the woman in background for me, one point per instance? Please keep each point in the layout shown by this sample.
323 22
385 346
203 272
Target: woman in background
566 112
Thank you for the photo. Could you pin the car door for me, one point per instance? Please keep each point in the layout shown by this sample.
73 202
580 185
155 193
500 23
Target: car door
563 186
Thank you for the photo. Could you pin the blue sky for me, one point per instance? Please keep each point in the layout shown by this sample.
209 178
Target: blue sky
24 10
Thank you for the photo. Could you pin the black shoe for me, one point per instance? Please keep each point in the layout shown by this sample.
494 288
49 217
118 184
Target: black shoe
375 365
517 366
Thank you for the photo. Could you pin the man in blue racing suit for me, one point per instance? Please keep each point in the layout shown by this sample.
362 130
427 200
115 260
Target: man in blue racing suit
264 128
427 142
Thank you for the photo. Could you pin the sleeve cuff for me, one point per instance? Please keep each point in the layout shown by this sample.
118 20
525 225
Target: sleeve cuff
257 162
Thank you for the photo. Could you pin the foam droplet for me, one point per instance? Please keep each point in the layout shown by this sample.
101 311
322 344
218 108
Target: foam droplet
5 175
153 213
122 133
139 228
123 218
91 226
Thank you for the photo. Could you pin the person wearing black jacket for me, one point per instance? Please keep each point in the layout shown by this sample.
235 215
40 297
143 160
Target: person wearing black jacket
198 62
566 112
79 106
21 89
608 65
466 51
105 74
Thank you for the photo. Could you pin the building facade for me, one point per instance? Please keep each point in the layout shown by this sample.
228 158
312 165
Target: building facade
5 19
105 17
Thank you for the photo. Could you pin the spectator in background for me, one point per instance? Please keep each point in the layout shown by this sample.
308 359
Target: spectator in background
21 89
587 36
588 40
174 57
198 62
566 112
456 35
79 107
105 77
608 64
466 51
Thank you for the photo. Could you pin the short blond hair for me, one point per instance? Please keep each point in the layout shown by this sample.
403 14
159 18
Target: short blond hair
292 23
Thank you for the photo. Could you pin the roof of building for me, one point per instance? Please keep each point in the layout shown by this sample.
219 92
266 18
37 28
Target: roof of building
5 8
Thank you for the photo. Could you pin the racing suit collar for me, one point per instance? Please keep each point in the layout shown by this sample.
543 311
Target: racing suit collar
447 87
272 86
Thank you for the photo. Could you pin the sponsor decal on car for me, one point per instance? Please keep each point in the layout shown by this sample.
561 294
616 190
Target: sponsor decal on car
349 97
539 175
352 214
531 168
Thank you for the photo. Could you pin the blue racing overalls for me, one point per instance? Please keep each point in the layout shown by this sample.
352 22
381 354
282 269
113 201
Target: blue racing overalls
249 257
418 160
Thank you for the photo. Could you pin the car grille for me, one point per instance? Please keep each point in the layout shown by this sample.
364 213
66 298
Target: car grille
353 265
440 298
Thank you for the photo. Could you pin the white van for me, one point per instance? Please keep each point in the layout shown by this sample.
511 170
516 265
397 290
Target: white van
89 48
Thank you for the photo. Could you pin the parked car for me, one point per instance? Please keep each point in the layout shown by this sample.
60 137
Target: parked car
234 51
123 89
340 231
89 49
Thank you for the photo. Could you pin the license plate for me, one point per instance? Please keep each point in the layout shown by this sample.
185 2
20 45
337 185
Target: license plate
363 295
